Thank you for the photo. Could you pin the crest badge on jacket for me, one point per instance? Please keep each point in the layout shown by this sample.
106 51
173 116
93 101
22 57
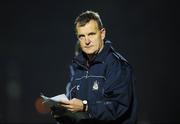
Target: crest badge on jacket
95 85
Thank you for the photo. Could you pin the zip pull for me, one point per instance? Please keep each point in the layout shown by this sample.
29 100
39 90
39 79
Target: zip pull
86 74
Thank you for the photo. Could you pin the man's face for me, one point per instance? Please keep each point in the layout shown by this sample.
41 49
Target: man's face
91 37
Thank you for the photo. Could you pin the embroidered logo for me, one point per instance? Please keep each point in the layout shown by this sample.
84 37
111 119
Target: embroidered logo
77 87
95 85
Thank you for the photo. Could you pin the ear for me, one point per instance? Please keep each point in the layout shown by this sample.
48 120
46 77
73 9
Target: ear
103 33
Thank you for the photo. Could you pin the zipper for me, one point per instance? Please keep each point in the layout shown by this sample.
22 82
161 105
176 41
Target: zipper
77 62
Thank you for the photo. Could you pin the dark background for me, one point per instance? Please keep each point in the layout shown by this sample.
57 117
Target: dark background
37 43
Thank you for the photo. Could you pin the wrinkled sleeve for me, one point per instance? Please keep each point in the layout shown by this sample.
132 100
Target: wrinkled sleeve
117 94
69 85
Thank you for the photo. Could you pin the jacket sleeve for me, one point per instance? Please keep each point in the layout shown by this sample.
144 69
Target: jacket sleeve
117 94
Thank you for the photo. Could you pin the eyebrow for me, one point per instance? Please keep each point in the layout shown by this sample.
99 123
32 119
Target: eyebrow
90 33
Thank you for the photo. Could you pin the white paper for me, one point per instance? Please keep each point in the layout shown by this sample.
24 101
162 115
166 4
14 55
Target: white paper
53 101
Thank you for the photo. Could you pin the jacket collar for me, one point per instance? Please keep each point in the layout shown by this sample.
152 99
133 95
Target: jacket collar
102 55
82 58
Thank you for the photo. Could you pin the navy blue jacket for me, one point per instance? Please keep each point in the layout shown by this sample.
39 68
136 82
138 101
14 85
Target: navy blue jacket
107 84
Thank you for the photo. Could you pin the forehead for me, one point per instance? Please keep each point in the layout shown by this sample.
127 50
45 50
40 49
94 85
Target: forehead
90 26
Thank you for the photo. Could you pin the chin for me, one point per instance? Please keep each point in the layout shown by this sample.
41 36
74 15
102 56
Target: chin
89 52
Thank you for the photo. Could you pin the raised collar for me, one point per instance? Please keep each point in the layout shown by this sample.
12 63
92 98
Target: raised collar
82 58
102 55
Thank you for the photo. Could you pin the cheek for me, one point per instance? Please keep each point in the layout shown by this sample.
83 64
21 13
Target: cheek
81 44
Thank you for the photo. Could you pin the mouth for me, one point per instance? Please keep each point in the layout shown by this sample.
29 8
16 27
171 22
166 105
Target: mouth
88 47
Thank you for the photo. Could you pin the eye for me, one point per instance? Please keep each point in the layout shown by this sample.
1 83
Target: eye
81 37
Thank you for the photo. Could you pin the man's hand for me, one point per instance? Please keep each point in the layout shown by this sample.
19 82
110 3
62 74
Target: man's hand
74 105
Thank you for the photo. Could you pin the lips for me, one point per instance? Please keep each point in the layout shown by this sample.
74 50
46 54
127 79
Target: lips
88 47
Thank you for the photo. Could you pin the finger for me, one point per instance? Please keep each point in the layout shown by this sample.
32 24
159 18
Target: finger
67 106
56 116
70 109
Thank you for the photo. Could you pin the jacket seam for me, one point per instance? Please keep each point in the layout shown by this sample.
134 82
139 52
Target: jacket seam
91 76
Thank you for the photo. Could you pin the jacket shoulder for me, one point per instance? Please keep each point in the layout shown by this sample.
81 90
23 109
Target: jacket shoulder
115 56
117 60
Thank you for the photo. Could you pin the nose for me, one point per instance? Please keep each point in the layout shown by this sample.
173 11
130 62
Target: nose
87 40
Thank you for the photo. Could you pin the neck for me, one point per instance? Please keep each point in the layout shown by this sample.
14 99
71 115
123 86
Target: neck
91 57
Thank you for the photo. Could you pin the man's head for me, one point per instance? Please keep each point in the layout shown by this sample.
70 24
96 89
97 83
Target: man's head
90 32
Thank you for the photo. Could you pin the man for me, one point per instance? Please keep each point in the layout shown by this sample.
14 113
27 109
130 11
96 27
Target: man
102 86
